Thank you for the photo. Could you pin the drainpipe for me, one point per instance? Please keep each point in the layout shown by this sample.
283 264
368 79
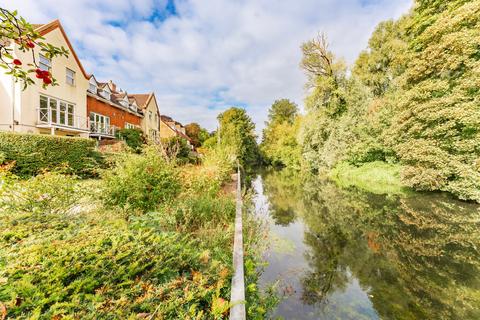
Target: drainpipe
13 105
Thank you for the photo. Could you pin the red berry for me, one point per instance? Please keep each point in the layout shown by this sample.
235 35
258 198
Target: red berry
47 80
39 76
45 74
30 44
38 71
17 62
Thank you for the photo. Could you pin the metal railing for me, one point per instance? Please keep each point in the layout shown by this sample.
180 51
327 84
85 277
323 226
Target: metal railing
103 129
237 297
54 117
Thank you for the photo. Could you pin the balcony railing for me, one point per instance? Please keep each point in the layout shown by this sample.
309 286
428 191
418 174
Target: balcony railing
49 117
103 129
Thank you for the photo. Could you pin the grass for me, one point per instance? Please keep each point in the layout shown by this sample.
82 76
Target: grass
375 177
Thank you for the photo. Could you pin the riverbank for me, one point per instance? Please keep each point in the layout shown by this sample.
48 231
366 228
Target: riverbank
375 177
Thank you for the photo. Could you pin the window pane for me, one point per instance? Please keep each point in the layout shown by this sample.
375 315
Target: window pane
63 110
53 110
43 108
44 63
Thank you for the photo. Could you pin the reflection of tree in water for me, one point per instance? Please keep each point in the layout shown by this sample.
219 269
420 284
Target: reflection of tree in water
282 216
418 256
283 191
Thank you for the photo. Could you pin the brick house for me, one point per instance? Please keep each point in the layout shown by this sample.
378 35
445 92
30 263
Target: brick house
110 109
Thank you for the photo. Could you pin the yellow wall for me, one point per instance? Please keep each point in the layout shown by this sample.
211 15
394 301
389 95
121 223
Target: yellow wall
26 102
166 131
151 123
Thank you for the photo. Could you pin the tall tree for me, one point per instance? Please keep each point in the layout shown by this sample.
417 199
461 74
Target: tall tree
282 110
237 131
437 130
196 133
279 141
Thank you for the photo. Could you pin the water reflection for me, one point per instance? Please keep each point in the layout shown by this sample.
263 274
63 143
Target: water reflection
347 254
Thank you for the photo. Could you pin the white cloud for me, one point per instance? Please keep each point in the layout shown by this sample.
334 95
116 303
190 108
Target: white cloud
214 53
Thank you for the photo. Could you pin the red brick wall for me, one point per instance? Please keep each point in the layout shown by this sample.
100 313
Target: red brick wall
118 117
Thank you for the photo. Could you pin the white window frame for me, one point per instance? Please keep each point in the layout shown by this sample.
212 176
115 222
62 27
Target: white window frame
57 111
44 63
130 126
70 78
100 119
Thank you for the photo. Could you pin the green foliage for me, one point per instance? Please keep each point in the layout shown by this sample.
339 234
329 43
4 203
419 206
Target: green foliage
134 138
34 153
282 110
17 29
412 98
436 131
139 182
196 133
177 149
82 260
279 141
375 177
237 131
45 194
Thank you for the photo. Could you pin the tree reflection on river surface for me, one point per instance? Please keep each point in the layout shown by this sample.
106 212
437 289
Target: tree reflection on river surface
348 254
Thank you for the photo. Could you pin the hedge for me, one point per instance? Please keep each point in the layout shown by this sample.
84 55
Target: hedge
32 153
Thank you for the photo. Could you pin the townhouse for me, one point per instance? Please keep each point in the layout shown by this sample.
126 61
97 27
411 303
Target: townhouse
58 110
170 128
110 110
151 121
79 106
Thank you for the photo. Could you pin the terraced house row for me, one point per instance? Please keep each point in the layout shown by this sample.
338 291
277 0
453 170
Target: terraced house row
80 105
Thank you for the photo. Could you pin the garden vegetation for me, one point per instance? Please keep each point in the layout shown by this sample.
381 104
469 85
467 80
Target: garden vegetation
149 239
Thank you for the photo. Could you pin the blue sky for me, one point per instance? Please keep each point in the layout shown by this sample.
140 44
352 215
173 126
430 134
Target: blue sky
202 56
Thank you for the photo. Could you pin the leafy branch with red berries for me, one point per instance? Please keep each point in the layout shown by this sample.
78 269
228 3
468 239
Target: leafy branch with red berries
15 30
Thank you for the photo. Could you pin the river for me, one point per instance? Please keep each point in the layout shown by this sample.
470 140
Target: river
347 254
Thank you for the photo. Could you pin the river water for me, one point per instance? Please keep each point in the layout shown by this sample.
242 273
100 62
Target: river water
348 254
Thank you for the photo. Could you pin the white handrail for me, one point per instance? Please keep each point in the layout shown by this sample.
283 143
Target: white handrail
70 121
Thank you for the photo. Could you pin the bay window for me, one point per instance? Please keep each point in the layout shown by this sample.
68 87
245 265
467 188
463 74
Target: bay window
56 111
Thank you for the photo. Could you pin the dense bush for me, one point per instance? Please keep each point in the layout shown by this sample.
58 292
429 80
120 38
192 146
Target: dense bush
176 148
134 138
34 153
46 193
140 181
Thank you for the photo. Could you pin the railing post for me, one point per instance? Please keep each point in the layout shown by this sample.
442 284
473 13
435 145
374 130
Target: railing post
237 298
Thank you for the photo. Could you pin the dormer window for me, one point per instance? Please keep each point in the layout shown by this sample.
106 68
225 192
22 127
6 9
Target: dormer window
105 94
92 85
124 103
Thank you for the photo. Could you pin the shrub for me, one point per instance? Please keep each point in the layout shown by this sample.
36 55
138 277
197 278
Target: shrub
177 149
34 153
140 182
134 138
46 193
